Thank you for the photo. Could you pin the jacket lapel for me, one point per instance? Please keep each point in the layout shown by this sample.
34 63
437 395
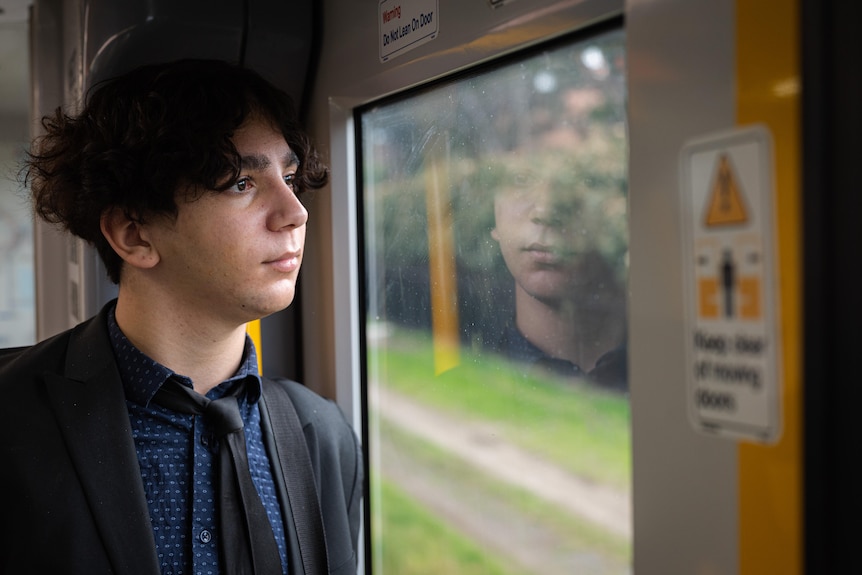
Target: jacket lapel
90 407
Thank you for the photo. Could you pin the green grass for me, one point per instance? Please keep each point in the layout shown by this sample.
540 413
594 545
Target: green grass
575 426
580 428
475 492
412 541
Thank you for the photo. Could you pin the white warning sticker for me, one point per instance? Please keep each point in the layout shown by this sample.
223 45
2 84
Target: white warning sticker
732 339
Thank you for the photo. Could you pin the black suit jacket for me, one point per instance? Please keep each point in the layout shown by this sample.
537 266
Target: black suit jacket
73 499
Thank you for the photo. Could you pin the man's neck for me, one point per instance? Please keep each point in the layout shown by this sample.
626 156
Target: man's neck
203 348
553 329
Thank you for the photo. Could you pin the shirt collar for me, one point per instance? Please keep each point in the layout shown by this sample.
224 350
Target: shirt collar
519 348
142 376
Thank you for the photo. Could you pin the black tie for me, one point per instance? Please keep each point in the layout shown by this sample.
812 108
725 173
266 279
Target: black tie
247 544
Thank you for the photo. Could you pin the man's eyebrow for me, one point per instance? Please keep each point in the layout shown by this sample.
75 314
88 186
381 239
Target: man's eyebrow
254 162
291 159
257 162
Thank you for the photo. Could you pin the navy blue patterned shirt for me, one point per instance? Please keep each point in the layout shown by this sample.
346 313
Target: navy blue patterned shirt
179 460
610 371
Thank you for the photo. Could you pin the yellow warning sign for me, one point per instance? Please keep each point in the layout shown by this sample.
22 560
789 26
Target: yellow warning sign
725 205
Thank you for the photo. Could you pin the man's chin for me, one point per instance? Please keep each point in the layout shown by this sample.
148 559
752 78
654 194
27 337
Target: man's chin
269 306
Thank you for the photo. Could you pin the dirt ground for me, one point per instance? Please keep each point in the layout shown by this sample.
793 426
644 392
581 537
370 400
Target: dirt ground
495 524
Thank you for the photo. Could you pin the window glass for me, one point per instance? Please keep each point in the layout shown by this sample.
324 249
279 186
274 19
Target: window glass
495 262
17 291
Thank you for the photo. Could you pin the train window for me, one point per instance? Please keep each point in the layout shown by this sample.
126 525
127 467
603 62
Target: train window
17 290
495 270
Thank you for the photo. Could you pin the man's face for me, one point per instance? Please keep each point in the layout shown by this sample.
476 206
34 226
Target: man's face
536 228
237 253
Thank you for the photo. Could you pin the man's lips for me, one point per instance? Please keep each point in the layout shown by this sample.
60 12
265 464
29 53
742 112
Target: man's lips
287 262
544 254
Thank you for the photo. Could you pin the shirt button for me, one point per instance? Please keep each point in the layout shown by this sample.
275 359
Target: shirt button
206 536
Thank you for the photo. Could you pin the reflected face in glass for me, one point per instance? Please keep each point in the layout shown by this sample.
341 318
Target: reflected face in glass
536 227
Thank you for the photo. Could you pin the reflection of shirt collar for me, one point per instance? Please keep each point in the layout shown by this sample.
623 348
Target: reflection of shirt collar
519 348
142 376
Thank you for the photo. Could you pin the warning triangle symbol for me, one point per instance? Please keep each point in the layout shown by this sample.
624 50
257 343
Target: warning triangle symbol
726 205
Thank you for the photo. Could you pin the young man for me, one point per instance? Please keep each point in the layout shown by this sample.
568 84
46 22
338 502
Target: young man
188 179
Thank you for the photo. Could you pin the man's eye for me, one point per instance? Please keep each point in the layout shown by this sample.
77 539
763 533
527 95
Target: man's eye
242 185
290 179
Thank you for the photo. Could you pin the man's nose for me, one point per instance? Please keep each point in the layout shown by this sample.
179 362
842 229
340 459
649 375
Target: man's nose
288 211
547 208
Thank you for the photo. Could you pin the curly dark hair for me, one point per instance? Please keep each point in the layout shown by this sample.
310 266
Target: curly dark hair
144 136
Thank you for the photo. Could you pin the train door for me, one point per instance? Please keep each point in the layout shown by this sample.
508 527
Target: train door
486 197
443 121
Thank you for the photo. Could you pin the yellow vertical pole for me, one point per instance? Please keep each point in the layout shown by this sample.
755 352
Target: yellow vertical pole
770 477
441 263
253 330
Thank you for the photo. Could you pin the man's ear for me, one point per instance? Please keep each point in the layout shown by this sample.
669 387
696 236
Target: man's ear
129 239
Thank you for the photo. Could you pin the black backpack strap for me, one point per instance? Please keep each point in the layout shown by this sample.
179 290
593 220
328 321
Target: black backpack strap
295 464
